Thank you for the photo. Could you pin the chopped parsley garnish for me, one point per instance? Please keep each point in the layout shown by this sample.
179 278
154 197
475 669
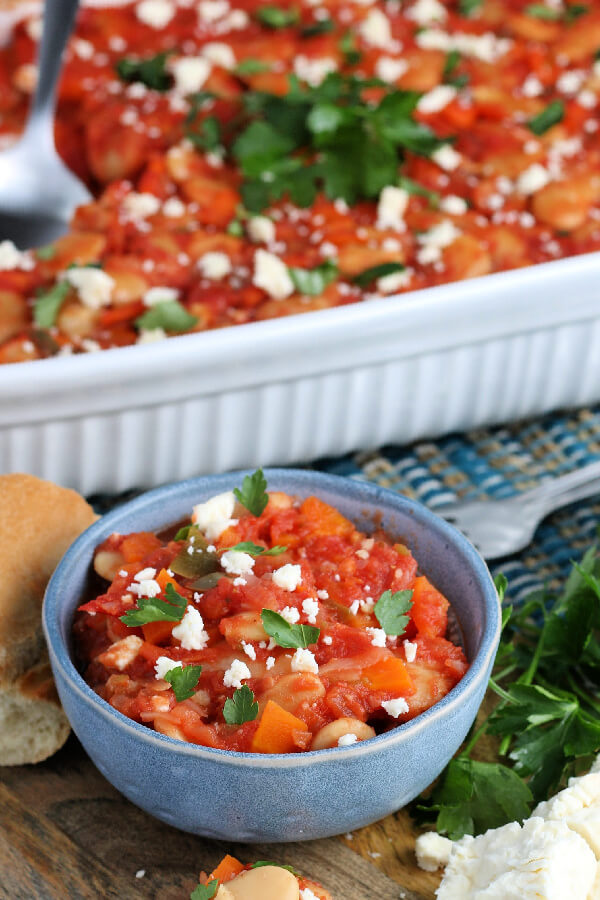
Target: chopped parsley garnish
286 635
152 71
205 891
449 75
169 315
277 16
183 680
153 609
364 279
47 305
45 253
241 708
539 11
468 7
348 46
323 26
547 721
268 862
391 611
314 281
575 10
257 550
251 66
551 115
253 494
413 187
204 136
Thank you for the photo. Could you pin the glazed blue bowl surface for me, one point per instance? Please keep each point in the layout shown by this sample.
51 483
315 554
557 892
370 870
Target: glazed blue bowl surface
281 797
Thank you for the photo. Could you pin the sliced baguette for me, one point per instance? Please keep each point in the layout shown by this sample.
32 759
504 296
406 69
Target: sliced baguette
38 522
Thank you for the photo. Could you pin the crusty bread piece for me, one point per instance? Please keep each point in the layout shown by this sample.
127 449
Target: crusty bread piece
38 522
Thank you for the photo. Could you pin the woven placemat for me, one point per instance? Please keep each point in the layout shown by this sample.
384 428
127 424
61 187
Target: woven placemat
493 462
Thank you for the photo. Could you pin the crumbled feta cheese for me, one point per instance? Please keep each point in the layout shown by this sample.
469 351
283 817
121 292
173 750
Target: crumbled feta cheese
145 587
288 577
447 158
271 275
533 179
151 336
174 208
13 258
390 69
396 707
236 562
155 13
435 240
140 873
532 86
145 574
290 614
433 851
122 652
164 665
190 73
212 10
160 295
34 28
453 205
578 805
425 11
353 608
570 82
215 515
215 265
378 636
323 595
82 48
437 98
346 740
94 287
270 662
375 29
236 673
140 206
191 631
219 54
310 608
410 651
313 71
306 893
304 661
587 99
485 47
249 650
391 207
261 230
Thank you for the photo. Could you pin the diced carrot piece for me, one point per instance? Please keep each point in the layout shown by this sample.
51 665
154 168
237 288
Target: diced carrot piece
276 730
389 675
157 632
324 519
227 869
164 579
135 546
430 609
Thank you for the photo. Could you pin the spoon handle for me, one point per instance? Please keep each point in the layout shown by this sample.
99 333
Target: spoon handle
59 17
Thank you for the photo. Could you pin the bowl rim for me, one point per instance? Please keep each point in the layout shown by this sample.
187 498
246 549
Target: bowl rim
359 489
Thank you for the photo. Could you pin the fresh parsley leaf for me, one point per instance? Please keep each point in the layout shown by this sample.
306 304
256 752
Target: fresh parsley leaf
205 891
539 11
364 279
449 74
391 611
349 47
575 10
413 187
286 635
501 584
253 494
182 534
277 16
152 71
169 315
323 26
257 550
551 115
241 708
314 281
251 66
468 7
183 680
47 252
153 609
47 305
235 228
267 862
205 136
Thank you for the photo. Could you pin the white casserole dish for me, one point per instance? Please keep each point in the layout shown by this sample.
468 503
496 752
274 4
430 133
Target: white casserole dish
289 390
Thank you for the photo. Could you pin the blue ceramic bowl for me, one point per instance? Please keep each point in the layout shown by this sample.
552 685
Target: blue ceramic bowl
253 797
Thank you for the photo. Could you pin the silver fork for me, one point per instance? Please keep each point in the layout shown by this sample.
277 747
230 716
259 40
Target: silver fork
501 527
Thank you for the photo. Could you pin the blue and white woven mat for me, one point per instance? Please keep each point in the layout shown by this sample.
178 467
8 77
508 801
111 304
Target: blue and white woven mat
494 462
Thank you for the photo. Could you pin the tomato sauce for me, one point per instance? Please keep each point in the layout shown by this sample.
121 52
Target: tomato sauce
304 632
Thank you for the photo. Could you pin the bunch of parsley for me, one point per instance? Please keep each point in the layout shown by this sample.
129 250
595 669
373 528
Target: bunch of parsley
546 721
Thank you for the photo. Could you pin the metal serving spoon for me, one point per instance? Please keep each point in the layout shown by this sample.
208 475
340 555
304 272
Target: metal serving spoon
38 194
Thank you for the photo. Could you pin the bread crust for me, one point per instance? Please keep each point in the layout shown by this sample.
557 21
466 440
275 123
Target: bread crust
38 522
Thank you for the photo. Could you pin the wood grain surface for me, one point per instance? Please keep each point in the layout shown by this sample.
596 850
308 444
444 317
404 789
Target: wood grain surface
67 834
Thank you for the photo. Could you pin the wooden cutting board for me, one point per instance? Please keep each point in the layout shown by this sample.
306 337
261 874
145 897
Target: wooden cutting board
67 834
